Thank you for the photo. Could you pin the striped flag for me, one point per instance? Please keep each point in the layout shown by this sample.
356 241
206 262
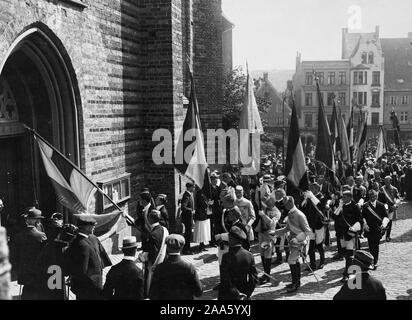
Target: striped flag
190 159
334 130
344 141
350 133
382 149
360 147
324 150
73 191
250 129
295 167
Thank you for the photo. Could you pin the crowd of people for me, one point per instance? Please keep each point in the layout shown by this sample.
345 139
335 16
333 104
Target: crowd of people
242 212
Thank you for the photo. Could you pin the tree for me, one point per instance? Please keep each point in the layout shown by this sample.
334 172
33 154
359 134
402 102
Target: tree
234 89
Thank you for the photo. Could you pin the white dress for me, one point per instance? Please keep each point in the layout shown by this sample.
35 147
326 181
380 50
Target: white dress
202 231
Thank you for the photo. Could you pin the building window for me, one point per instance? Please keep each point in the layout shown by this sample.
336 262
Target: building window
375 118
321 77
364 58
375 99
308 120
331 78
331 97
360 77
342 99
118 189
404 117
370 58
376 78
308 99
342 77
404 100
360 98
309 78
393 100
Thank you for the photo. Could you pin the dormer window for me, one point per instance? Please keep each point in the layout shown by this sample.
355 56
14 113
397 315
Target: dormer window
370 58
364 58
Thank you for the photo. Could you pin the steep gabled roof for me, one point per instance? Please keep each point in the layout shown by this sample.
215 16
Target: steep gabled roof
398 63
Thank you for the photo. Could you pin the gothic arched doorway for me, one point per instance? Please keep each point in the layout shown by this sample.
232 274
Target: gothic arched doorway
37 88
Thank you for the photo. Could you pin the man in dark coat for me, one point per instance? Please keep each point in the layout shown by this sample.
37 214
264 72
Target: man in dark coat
175 279
86 259
187 207
238 274
25 250
124 281
369 288
145 205
375 219
216 189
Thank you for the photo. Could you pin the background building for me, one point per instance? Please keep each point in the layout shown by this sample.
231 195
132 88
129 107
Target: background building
96 78
398 84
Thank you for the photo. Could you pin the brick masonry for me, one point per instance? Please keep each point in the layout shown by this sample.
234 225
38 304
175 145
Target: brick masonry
127 59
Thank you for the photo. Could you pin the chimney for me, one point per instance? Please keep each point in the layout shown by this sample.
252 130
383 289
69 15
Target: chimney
265 76
298 60
344 36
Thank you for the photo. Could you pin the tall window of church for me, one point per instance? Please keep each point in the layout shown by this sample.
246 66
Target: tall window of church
308 99
331 78
375 99
370 58
375 118
342 77
364 58
404 117
308 120
309 78
376 78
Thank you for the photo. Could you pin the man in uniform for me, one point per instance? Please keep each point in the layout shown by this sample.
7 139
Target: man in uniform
124 281
86 261
348 220
389 196
313 206
238 274
281 241
359 191
248 215
175 279
375 219
369 289
299 230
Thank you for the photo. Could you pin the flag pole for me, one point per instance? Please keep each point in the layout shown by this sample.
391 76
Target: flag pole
125 215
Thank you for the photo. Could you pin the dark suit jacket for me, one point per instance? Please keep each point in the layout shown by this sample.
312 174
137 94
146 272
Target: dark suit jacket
352 214
164 217
371 220
25 250
238 274
187 206
124 281
86 260
154 243
372 289
175 279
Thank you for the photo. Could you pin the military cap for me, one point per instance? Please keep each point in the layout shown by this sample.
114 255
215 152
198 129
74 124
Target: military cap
364 258
174 243
347 193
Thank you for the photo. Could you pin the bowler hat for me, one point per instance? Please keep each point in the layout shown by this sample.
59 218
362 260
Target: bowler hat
174 243
33 213
237 233
129 242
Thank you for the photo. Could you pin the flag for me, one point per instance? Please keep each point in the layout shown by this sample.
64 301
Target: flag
74 190
360 147
345 155
381 149
334 130
324 150
350 134
295 167
397 129
190 159
250 129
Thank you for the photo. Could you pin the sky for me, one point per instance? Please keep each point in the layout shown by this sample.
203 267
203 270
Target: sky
268 33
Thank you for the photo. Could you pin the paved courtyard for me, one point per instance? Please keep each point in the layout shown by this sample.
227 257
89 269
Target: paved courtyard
394 269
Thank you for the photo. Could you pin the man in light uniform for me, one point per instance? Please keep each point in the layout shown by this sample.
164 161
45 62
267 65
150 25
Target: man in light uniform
247 212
